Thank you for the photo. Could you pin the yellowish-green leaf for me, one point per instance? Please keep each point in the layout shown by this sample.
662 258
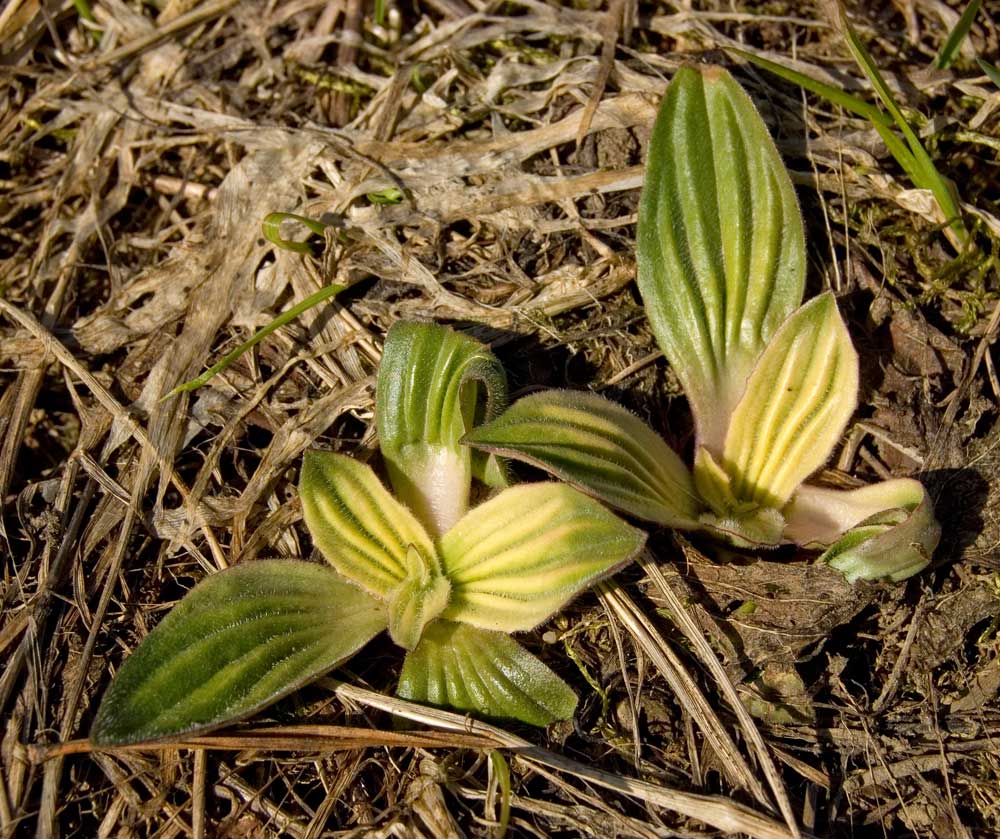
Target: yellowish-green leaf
745 524
485 672
798 400
892 545
519 557
238 641
416 601
429 383
720 241
360 529
599 447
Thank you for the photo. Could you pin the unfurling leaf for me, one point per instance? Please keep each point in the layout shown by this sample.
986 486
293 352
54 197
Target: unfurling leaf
360 529
427 398
487 672
745 524
721 250
601 448
886 531
238 641
416 601
798 400
516 559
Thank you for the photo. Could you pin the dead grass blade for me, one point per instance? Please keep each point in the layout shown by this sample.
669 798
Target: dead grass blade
645 635
720 813
708 657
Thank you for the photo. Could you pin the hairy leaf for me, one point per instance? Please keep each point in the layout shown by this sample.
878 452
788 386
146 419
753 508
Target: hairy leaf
886 530
416 601
238 641
720 241
429 382
360 529
745 524
473 669
798 400
519 557
601 448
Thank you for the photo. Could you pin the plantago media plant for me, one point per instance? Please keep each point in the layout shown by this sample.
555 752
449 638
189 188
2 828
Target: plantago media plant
449 583
771 383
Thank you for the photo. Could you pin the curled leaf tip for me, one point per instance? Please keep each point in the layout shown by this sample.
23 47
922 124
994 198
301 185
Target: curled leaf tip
892 544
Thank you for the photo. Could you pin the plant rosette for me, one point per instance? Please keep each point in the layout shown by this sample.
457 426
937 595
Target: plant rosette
449 583
772 384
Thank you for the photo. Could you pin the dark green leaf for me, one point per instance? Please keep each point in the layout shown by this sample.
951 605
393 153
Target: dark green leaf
489 673
238 641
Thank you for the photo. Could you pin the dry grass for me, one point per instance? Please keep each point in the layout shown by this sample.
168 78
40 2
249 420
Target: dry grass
139 154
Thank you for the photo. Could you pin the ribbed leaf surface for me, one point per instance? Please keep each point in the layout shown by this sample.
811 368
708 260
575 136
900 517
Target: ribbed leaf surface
429 381
600 447
720 241
489 673
360 529
238 641
798 401
519 557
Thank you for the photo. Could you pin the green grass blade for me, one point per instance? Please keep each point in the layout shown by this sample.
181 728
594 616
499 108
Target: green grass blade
926 174
285 317
847 101
990 70
502 773
880 121
953 43
271 227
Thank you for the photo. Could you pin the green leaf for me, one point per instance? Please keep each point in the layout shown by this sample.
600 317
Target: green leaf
798 400
950 48
519 557
721 250
238 641
427 398
416 601
601 448
489 673
886 530
360 529
894 544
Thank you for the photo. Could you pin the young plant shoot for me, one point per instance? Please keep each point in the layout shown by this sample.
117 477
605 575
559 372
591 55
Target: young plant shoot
772 384
449 583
